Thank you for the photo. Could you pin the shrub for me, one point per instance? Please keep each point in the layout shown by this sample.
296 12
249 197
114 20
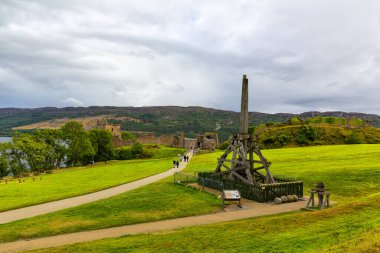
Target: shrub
126 136
269 140
283 139
252 129
302 140
295 121
147 153
137 150
330 120
124 153
353 139
224 145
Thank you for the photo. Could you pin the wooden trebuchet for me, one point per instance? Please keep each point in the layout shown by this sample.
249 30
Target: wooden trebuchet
243 147
243 166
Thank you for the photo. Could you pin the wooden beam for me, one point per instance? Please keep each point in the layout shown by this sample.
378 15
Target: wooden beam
240 177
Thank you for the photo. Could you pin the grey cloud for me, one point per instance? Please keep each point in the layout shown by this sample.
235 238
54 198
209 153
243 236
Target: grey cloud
299 55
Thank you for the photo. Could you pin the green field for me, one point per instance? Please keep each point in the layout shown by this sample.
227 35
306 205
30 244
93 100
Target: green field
160 151
77 181
136 206
352 172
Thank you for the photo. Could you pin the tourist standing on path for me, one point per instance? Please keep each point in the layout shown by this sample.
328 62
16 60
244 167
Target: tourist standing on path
177 164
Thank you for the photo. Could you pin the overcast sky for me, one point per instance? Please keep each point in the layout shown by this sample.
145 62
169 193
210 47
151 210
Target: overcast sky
298 55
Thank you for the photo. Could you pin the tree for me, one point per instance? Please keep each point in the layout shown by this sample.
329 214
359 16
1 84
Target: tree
54 139
126 136
137 150
102 144
77 141
4 159
30 153
124 153
353 138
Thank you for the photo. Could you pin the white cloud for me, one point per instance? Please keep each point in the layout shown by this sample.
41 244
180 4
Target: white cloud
73 102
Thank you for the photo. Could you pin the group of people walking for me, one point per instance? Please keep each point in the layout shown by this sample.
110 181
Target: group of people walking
176 162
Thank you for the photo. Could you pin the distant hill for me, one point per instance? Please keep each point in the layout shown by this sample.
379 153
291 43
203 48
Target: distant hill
158 119
317 131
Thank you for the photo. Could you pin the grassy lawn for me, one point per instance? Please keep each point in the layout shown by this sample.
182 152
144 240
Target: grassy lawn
340 229
353 225
160 151
77 181
350 171
157 201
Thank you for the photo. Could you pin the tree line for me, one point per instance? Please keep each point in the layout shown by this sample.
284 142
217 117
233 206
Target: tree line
47 149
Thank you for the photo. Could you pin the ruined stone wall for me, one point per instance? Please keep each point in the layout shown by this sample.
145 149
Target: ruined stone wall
114 129
209 144
206 141
166 140
116 134
190 143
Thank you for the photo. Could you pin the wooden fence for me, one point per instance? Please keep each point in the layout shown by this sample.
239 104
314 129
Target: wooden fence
260 193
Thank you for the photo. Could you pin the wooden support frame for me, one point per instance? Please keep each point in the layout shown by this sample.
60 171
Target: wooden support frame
241 167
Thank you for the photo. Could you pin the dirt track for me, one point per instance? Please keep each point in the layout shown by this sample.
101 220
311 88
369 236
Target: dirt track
27 212
54 241
250 209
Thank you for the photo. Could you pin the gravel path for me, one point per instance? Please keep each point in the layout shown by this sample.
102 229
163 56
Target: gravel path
31 211
54 241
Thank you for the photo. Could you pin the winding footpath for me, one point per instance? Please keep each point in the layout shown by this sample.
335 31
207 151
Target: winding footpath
150 227
31 211
257 209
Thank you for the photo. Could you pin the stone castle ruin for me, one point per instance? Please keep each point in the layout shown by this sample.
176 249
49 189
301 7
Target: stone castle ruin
207 140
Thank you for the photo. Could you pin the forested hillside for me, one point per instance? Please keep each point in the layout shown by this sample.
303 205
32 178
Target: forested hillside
160 119
317 131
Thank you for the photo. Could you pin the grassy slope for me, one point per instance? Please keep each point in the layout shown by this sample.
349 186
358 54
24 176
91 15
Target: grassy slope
325 135
132 207
160 151
353 174
349 170
77 181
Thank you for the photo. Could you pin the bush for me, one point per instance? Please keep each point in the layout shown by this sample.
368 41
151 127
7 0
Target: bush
147 153
251 130
295 121
124 153
126 136
283 139
269 140
137 150
3 167
330 120
353 139
224 145
302 140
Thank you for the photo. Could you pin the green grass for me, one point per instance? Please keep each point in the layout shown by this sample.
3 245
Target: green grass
290 232
157 201
351 171
160 151
352 225
77 181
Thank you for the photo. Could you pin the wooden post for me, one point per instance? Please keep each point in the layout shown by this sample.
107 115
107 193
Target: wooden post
244 111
